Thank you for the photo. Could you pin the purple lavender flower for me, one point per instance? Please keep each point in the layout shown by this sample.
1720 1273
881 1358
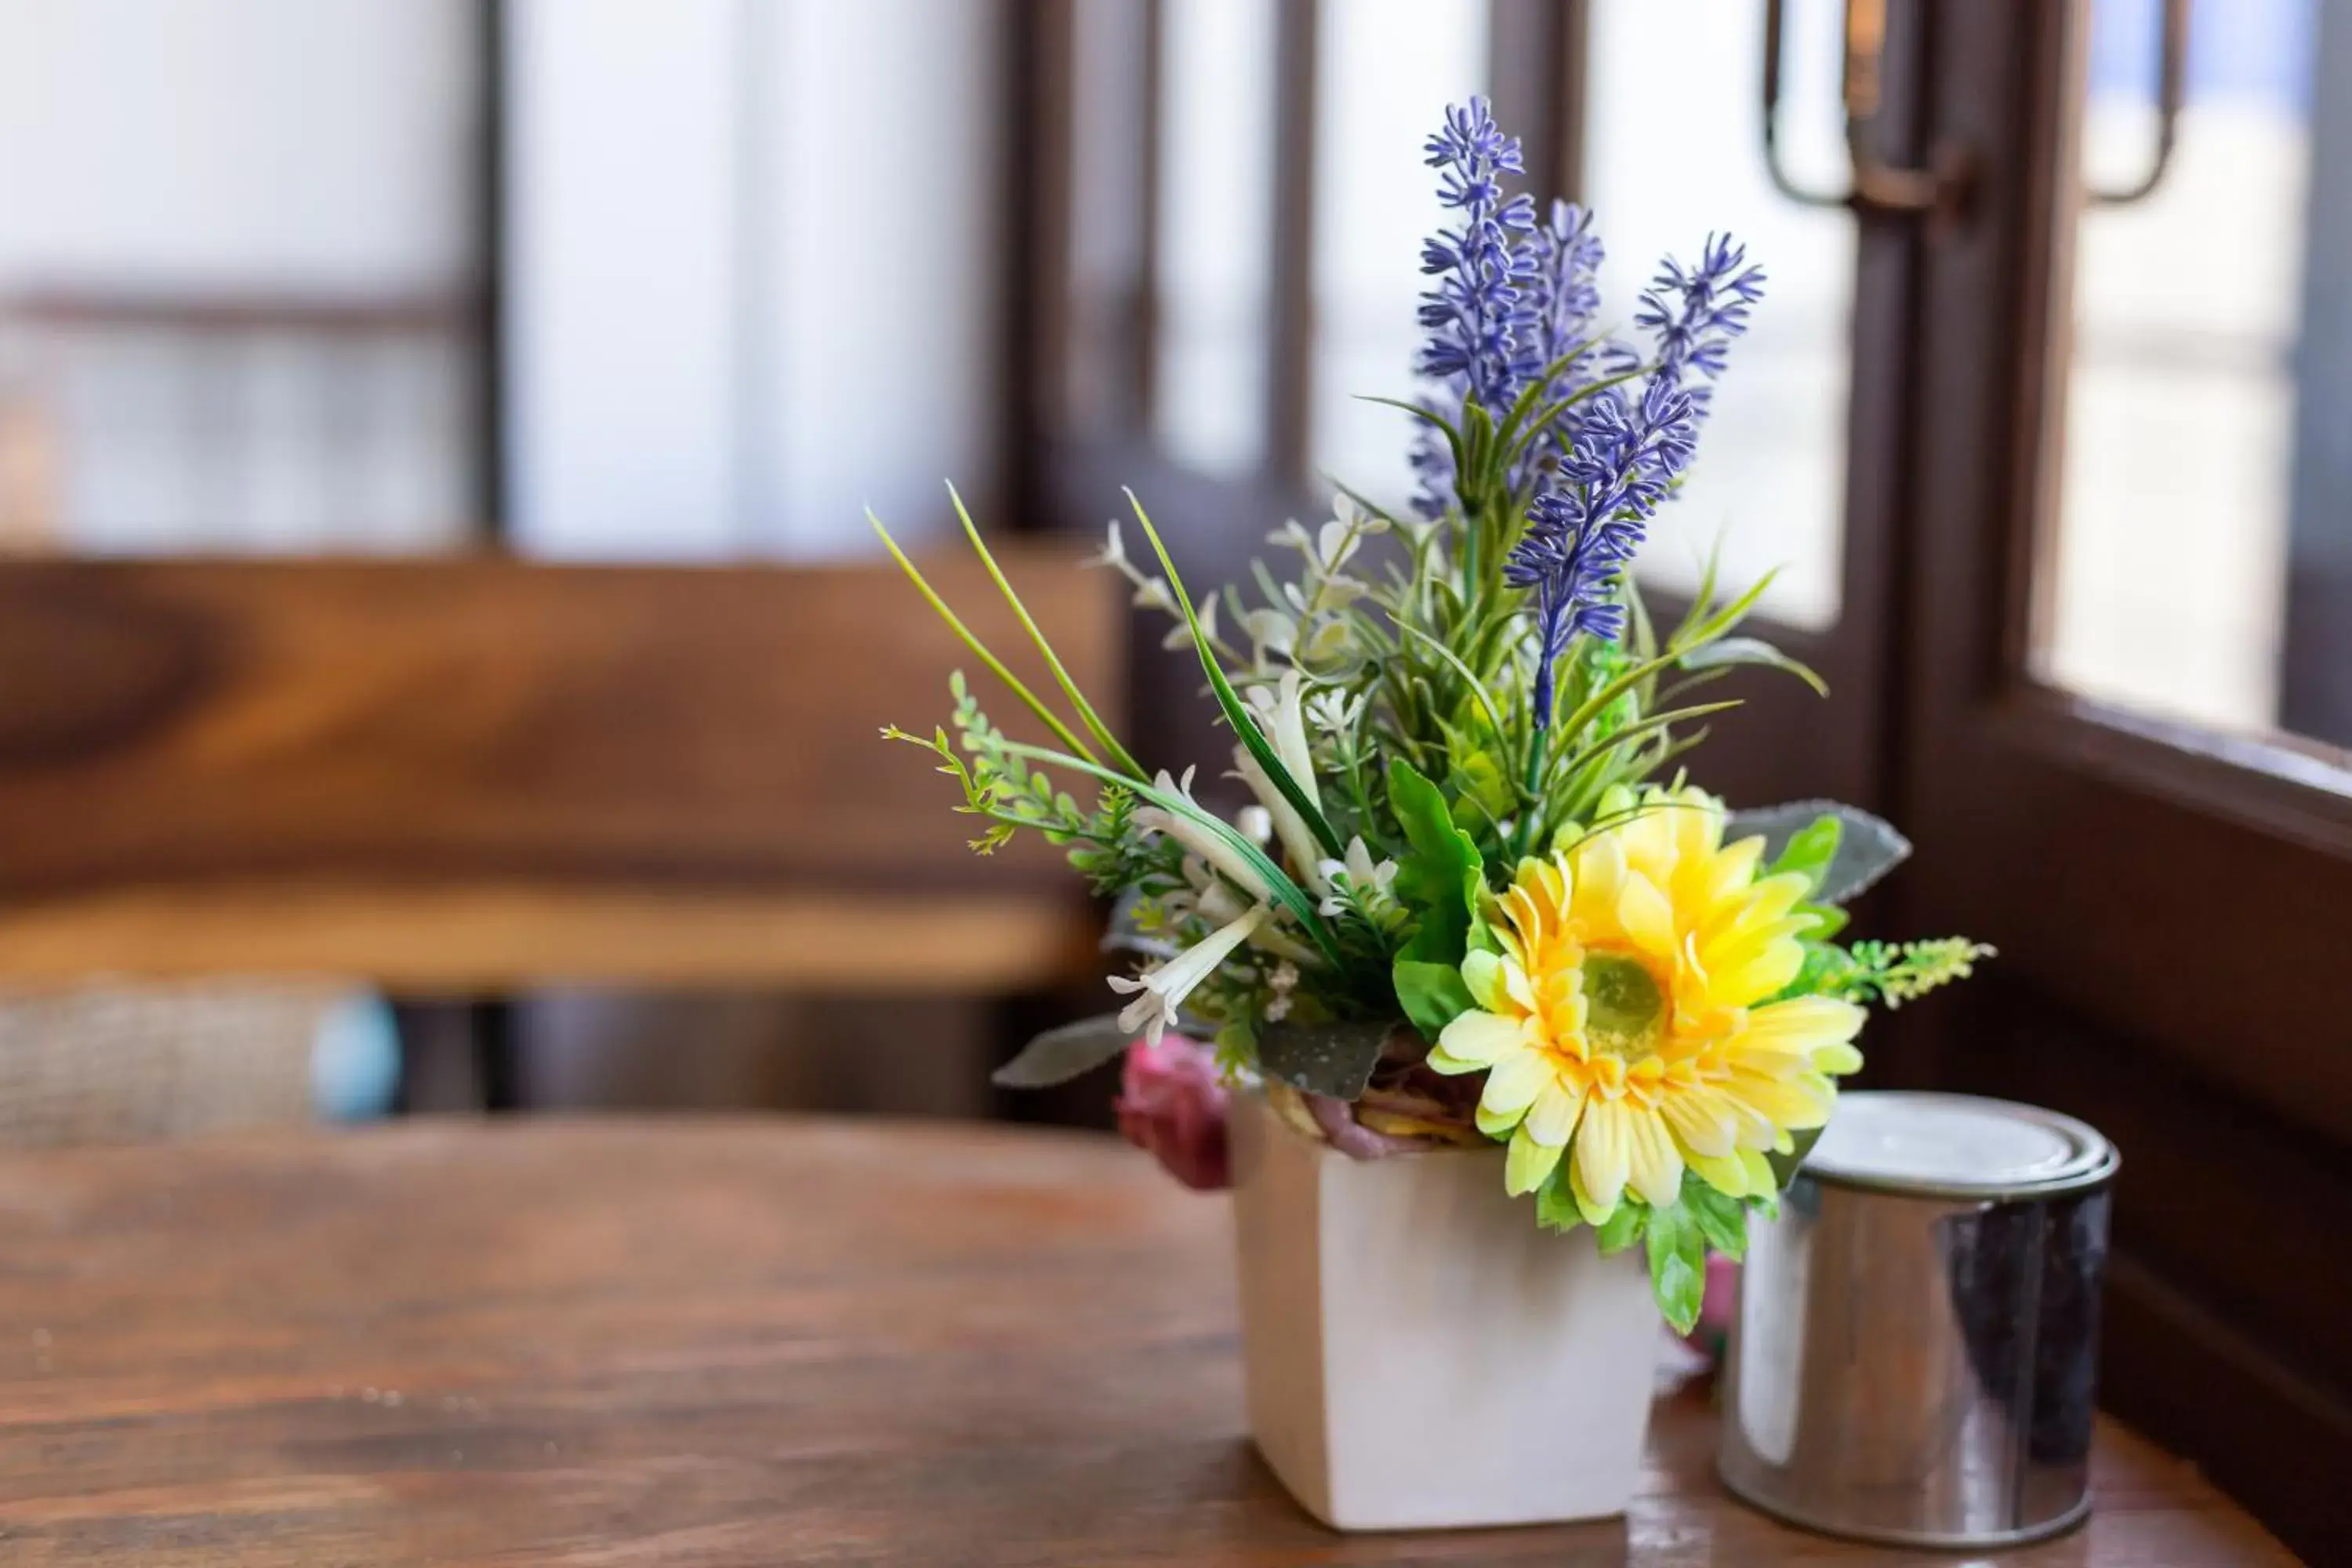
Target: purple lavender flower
1580 536
1469 311
1553 319
1562 260
1693 313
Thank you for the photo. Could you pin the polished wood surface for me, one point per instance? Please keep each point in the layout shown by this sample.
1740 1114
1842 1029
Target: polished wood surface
636 773
716 1343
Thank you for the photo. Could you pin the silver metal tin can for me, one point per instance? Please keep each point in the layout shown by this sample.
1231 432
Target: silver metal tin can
1915 1355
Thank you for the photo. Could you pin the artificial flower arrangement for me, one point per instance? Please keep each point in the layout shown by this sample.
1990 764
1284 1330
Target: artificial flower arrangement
1477 898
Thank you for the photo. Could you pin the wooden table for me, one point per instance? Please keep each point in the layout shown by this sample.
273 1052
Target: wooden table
734 1342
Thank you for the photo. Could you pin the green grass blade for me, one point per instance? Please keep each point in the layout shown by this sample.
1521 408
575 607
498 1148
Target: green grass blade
1287 893
1237 714
1087 715
980 649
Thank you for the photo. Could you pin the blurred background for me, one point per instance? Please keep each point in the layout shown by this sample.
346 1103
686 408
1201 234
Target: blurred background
441 643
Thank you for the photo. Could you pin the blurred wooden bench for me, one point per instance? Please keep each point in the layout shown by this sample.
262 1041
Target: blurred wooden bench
469 774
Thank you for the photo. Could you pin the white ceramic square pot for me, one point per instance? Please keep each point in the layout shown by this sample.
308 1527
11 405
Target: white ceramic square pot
1420 1354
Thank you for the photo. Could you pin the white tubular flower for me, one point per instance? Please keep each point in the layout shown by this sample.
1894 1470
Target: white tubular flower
1214 899
1256 823
1159 993
1271 938
1201 839
1285 720
1288 826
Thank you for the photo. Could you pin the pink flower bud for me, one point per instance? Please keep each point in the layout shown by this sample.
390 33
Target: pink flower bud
1171 1104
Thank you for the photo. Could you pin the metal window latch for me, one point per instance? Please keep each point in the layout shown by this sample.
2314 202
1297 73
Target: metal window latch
1938 190
2171 88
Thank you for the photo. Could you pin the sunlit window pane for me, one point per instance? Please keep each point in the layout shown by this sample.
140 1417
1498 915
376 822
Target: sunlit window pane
1770 482
1387 70
1215 231
2173 557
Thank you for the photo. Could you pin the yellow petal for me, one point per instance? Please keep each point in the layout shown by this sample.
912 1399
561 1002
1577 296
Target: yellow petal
1787 1102
1760 1178
1701 1123
1602 1153
1647 919
1839 1059
1803 1021
1480 1039
1552 1119
1514 1081
1756 973
1593 1213
1727 1175
1483 974
1653 1167
1529 1163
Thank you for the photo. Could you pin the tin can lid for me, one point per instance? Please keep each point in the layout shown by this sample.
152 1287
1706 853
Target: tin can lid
1957 1145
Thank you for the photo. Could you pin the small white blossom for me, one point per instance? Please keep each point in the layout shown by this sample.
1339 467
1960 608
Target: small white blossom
1334 712
1180 637
1114 550
1357 878
1280 984
1270 632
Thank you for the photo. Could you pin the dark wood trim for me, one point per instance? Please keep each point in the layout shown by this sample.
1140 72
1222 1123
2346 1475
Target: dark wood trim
1037 85
1291 301
1535 55
1151 163
2315 651
493 507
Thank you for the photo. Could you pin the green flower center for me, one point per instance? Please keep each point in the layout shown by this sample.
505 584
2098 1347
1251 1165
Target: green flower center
1624 1012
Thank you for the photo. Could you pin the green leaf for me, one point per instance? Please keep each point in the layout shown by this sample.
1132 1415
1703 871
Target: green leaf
1060 1055
1678 1266
1721 1219
1554 1203
1431 994
1827 922
1785 1166
1442 875
1868 846
1237 714
1333 1058
1695 630
1809 850
1726 653
1482 790
1621 1228
1828 970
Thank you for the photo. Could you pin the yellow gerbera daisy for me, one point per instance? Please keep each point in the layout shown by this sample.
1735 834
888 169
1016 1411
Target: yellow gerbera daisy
1625 1017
